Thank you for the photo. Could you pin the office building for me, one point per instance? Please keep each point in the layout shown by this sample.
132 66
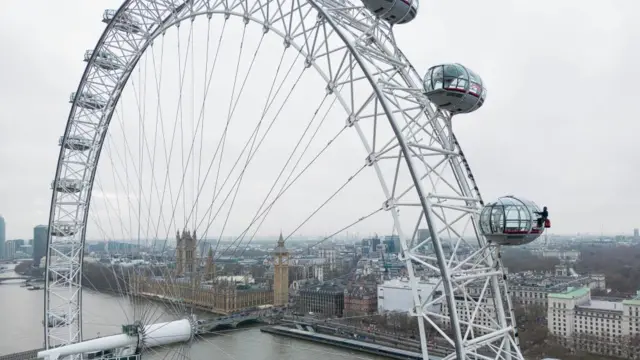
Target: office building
3 236
603 326
40 235
395 295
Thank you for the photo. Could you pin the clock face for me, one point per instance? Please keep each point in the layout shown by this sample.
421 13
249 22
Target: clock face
281 260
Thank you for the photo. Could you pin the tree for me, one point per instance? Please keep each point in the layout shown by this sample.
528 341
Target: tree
630 346
620 265
557 347
517 260
258 271
23 267
532 326
110 279
232 269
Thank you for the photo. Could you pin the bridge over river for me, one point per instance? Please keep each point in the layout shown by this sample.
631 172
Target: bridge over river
231 321
19 277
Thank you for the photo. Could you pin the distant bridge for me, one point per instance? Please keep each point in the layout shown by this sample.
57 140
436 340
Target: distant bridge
16 278
232 321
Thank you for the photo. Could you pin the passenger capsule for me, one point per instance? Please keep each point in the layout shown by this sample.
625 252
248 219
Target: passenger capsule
57 320
393 11
124 22
67 185
104 60
454 88
512 221
63 229
88 101
75 143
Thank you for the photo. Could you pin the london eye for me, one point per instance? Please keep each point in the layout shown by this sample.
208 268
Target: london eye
197 121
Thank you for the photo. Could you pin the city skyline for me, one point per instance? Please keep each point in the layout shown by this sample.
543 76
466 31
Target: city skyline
352 236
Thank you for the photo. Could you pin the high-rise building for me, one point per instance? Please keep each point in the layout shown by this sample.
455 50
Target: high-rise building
636 233
396 242
374 242
281 274
40 235
14 249
203 248
392 244
10 249
423 234
366 246
3 236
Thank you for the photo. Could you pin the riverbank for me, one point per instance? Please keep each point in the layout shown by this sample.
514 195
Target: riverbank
436 346
369 345
345 343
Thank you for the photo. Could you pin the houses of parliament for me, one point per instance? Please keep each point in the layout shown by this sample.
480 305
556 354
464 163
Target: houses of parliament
198 286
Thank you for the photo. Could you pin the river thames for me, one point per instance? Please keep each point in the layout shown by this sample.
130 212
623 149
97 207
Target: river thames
21 315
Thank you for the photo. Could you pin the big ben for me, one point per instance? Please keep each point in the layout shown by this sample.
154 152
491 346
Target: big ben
281 274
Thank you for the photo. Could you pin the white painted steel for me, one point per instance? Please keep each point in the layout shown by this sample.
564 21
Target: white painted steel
152 336
442 184
167 333
106 342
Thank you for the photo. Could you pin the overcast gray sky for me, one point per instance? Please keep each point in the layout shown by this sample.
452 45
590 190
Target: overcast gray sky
558 127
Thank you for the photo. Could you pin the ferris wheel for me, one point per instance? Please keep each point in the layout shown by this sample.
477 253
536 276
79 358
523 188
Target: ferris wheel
153 147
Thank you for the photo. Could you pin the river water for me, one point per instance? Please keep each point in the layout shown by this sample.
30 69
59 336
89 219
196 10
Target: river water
21 314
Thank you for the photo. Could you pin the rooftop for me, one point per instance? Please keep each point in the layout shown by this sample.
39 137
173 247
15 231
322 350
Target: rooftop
404 283
570 293
602 305
635 301
545 281
327 286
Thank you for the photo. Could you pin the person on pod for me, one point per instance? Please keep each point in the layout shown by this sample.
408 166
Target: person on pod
544 214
